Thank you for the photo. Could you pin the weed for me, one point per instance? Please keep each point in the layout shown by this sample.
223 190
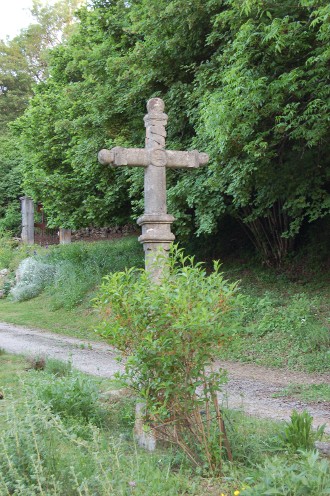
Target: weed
304 475
41 454
298 433
71 396
58 368
308 393
37 362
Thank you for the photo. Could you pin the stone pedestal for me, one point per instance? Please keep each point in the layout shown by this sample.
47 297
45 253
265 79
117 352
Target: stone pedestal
156 238
27 209
65 236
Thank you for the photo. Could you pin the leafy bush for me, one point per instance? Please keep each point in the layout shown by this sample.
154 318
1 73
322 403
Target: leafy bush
8 250
299 434
306 475
283 328
170 332
58 368
69 272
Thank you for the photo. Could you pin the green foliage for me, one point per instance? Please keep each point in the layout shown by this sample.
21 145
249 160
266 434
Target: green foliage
32 278
10 252
23 62
71 396
299 434
41 454
306 475
279 325
307 392
170 332
264 119
69 272
51 366
246 82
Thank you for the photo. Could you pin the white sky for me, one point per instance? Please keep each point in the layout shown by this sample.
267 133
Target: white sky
14 15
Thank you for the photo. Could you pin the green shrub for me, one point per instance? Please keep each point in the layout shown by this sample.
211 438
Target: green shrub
299 433
306 475
170 332
70 272
8 249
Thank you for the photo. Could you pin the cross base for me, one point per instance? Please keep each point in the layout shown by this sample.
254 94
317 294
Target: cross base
156 238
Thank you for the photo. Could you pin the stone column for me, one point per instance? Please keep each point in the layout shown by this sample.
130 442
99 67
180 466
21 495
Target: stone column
27 208
65 236
156 234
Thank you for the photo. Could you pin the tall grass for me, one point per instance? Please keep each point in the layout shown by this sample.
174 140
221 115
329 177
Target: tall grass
53 444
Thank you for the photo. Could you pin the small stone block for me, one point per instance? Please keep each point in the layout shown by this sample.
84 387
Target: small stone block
144 436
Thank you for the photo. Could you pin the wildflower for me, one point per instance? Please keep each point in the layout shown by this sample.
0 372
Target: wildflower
236 493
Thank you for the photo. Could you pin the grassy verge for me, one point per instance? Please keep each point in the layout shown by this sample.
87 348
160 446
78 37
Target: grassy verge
60 434
282 319
310 393
39 313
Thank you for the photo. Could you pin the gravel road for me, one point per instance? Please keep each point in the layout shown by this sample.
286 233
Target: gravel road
250 387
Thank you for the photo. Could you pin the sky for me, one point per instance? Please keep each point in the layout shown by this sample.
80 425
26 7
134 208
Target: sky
14 16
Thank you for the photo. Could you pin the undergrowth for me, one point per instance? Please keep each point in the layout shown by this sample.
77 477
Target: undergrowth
67 273
49 449
280 321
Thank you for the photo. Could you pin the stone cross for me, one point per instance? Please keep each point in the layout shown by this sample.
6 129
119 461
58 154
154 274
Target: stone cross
156 222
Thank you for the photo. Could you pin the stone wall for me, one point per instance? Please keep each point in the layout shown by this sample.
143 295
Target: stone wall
102 233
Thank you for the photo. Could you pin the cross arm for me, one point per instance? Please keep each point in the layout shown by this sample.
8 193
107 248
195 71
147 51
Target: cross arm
186 160
124 156
141 157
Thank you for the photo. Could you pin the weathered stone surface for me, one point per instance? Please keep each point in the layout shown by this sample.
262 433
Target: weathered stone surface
156 223
27 208
65 236
145 437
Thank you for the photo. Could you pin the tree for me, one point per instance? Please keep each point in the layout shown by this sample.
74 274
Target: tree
102 77
265 119
246 81
23 62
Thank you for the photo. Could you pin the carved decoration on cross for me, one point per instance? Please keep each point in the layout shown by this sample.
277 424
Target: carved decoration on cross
156 222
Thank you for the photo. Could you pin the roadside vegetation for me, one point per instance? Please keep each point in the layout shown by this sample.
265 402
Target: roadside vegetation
281 317
66 433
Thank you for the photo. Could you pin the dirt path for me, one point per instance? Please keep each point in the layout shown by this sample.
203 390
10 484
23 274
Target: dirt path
250 387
